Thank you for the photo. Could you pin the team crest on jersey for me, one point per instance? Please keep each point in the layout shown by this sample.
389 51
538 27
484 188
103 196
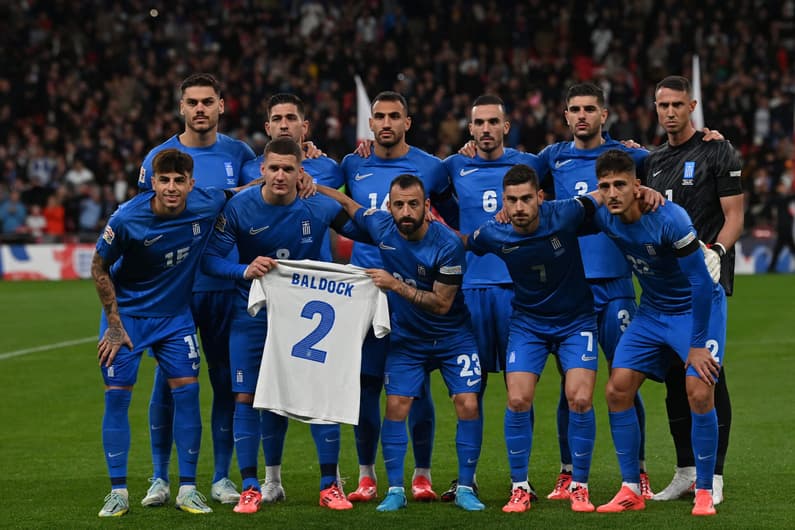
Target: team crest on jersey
650 249
230 170
689 174
421 270
306 231
557 246
197 229
142 175
108 235
220 223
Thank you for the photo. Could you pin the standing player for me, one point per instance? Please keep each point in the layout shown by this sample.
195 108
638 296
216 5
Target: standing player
571 165
704 178
286 120
218 160
143 270
677 295
487 287
367 181
423 265
553 312
267 223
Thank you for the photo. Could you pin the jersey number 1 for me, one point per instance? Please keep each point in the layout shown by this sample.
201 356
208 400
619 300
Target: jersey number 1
303 349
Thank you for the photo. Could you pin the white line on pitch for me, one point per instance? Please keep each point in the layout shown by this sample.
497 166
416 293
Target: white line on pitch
46 347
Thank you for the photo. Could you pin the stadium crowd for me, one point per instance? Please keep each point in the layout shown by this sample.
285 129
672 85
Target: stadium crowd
88 87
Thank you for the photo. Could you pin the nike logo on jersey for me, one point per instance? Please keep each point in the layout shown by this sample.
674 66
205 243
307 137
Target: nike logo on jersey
473 382
254 231
587 358
384 246
560 163
465 172
655 173
362 176
148 242
195 366
508 250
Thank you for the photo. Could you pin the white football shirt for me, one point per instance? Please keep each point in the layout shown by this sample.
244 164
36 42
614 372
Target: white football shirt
318 317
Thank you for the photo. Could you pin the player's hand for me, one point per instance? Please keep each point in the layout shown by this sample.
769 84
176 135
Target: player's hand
502 217
382 279
711 134
364 148
306 184
469 149
649 199
111 342
430 217
258 268
705 365
311 150
632 144
712 260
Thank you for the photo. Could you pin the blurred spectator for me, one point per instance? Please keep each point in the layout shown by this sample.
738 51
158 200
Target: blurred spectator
54 214
35 223
782 207
12 214
89 220
79 174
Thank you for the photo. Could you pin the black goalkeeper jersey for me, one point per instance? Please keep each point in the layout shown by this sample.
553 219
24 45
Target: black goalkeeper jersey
695 175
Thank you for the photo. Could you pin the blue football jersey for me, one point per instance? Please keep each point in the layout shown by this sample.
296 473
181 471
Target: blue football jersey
478 185
574 174
154 259
295 231
438 256
218 166
546 266
367 181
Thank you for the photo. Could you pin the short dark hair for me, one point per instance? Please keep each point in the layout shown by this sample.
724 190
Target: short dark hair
586 89
389 95
675 82
173 161
286 99
405 181
201 79
489 99
284 146
614 161
520 174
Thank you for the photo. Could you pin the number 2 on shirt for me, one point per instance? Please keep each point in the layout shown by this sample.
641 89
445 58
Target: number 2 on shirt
304 349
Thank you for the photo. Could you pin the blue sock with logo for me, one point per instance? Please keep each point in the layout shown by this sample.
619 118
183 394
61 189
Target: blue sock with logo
519 442
704 434
161 414
394 444
422 424
468 440
368 430
187 431
273 429
626 439
582 434
327 443
221 420
116 435
247 428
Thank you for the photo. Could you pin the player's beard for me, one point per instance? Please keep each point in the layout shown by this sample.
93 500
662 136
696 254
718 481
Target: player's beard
396 139
415 225
208 125
488 148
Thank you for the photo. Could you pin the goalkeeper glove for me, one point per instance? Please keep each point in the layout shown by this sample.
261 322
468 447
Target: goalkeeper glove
712 258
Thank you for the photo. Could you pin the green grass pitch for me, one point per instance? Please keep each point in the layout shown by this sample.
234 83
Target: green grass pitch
52 473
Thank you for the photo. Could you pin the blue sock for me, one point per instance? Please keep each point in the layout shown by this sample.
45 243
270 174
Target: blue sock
582 434
221 419
187 431
116 435
640 409
563 427
368 430
273 429
626 439
161 414
519 442
468 439
422 424
246 428
704 434
394 444
327 443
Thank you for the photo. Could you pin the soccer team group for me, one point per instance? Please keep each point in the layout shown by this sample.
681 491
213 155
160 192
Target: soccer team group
507 279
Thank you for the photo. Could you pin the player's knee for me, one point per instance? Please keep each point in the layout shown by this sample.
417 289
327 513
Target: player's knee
466 406
519 402
700 397
618 396
580 402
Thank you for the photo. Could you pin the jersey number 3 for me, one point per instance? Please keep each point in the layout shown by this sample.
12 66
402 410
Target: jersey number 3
304 348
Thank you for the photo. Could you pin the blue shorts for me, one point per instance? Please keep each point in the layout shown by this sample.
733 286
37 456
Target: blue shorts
407 364
490 308
171 340
529 344
212 312
246 343
614 303
653 340
374 353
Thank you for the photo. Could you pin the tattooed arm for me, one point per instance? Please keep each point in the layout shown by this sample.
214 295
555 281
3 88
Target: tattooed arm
115 336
